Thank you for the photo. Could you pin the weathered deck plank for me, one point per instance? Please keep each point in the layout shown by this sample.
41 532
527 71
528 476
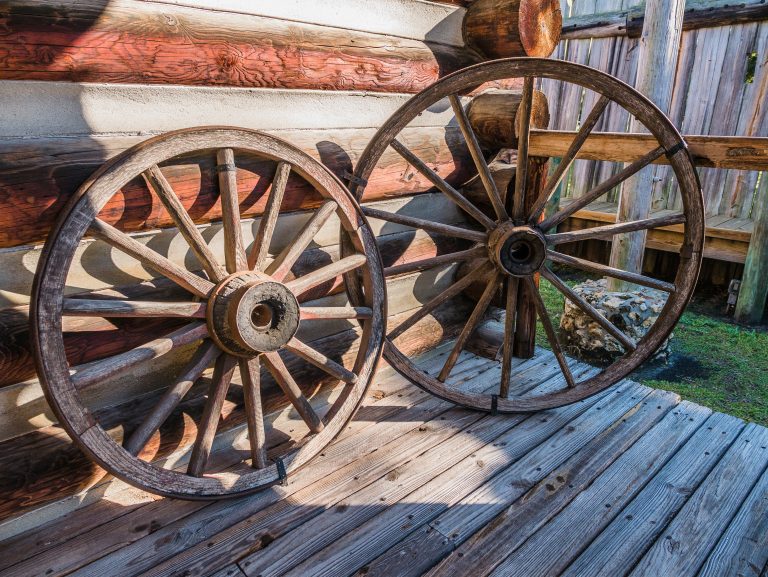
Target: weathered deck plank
618 548
684 547
415 486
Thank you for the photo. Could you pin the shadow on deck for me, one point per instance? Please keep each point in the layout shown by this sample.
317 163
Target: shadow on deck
630 482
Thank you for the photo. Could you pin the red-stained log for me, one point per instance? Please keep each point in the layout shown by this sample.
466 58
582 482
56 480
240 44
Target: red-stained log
507 28
127 41
37 179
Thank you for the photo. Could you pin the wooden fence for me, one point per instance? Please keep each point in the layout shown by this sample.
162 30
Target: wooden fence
721 89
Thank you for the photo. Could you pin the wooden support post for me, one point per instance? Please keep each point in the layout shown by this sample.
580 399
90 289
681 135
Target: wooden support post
659 47
524 346
506 28
754 285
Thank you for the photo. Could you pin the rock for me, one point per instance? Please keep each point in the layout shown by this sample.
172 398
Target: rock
632 312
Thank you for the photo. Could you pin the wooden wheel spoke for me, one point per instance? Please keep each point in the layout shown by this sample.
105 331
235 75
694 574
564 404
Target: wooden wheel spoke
602 269
469 328
268 222
280 373
112 308
477 156
250 373
513 288
321 361
458 198
541 309
234 249
570 156
184 222
427 225
191 282
521 175
426 264
584 305
281 266
97 371
327 313
617 228
209 422
326 273
601 189
440 299
202 359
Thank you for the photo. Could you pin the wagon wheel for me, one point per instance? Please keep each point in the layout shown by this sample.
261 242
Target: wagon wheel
511 247
238 312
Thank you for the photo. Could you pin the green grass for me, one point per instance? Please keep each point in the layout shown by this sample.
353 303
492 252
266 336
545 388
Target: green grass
714 362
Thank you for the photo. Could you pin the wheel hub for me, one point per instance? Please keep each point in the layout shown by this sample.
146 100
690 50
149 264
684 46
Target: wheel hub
248 313
518 250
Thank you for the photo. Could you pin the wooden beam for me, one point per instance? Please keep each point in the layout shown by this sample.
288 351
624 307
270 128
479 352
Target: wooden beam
127 41
656 73
698 14
735 152
36 179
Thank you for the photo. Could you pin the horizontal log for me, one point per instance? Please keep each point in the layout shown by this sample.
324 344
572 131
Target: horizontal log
91 338
493 116
507 28
37 179
440 22
698 14
736 152
128 41
49 109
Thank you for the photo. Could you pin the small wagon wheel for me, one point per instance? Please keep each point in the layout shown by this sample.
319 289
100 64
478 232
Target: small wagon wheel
512 247
240 312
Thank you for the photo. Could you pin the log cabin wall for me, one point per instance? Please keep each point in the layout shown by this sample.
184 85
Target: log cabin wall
81 81
721 88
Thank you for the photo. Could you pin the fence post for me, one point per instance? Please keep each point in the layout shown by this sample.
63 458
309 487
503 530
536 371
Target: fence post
754 283
657 67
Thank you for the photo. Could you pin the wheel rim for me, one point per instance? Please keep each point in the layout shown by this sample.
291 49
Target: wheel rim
507 249
240 318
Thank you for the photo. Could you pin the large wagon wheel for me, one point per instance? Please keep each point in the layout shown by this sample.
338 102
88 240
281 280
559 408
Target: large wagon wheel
239 313
513 247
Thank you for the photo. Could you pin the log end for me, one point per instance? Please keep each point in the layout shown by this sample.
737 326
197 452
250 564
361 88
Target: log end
510 28
541 25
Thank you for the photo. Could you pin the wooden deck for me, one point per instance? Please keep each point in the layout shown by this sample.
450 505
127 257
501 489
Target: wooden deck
632 482
727 238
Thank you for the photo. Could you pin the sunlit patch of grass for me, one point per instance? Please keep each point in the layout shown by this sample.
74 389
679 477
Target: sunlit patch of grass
714 362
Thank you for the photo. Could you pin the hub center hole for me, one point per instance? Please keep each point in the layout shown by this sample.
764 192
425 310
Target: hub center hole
520 252
262 316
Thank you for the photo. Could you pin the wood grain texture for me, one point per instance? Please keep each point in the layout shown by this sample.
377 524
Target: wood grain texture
38 177
135 42
698 14
507 28
481 553
621 544
694 532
